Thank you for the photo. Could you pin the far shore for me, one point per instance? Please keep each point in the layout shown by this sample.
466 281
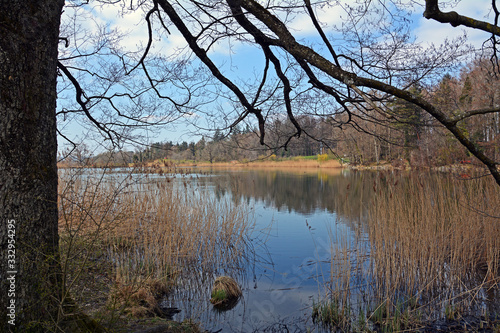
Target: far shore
298 163
331 164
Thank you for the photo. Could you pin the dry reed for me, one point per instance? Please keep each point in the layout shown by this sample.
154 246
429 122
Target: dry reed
297 163
432 244
225 291
150 230
434 233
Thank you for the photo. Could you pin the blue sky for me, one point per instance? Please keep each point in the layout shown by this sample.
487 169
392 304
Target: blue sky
243 60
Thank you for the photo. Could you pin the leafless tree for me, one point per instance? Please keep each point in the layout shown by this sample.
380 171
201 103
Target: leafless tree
348 72
355 70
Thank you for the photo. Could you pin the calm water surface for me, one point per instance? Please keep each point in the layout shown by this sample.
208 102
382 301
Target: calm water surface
297 215
301 219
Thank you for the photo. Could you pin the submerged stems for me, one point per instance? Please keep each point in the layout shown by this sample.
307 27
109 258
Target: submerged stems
434 242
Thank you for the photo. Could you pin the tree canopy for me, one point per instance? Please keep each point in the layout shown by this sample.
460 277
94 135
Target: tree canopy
336 61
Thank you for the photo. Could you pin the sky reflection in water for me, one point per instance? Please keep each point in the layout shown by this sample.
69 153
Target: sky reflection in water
296 215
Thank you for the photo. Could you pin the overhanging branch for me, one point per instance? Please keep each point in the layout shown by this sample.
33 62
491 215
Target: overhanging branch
433 12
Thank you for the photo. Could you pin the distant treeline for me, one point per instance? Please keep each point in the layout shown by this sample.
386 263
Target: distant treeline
402 132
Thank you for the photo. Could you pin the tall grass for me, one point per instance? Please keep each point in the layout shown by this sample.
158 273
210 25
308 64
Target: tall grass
433 232
432 244
138 236
298 162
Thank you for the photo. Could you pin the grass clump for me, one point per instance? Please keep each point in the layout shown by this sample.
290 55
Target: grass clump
139 299
225 292
126 240
402 316
332 313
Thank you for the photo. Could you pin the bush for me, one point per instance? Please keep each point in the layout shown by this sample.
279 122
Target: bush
323 158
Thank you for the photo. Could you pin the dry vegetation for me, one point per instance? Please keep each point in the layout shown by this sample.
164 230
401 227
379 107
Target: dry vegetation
127 240
312 162
225 292
424 236
431 250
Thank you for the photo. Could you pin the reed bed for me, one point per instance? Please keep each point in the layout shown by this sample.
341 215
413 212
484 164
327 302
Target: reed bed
285 163
432 231
436 238
341 284
141 235
430 249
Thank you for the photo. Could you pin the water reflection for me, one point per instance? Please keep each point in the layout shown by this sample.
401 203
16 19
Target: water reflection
428 238
305 192
296 216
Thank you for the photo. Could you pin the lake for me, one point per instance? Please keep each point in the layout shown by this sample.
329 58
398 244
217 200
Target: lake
297 214
354 250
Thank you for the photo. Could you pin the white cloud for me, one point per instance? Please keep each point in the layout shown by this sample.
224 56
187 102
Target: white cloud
426 31
327 15
133 25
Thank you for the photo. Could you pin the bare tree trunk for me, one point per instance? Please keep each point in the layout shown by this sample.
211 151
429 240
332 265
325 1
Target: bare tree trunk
31 278
376 150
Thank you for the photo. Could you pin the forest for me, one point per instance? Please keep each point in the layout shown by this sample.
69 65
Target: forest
405 133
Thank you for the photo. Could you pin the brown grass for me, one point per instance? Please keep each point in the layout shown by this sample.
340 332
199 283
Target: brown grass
142 234
286 163
431 244
434 232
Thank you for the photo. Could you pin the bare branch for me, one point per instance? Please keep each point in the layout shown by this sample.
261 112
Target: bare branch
83 104
202 54
432 11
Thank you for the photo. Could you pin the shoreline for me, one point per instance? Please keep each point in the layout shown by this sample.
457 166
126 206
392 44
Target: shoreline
331 165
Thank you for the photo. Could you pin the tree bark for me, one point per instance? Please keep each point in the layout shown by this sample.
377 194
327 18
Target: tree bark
31 285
